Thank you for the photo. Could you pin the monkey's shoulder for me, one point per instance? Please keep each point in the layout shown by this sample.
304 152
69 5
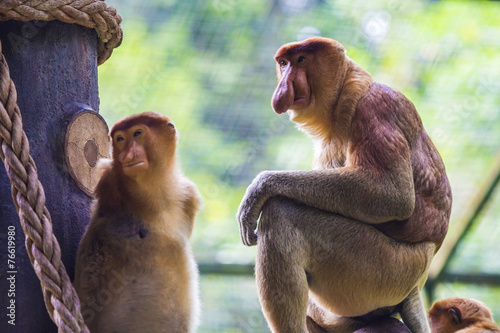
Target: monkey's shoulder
385 97
384 104
386 115
190 199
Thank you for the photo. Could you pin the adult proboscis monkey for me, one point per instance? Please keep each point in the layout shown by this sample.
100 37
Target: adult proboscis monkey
353 238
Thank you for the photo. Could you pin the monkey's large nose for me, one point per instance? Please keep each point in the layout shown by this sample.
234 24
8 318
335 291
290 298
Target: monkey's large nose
283 95
127 156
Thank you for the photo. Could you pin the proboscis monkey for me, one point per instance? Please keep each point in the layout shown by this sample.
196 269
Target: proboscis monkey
353 238
461 315
135 271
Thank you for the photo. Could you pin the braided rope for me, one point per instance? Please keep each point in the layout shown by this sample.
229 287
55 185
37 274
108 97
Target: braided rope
28 195
93 14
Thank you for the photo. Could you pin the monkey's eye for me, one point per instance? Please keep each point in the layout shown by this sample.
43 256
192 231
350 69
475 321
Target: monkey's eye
137 133
301 59
455 316
282 63
119 138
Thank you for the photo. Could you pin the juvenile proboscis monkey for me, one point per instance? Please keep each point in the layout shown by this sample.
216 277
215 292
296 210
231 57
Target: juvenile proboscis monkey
135 271
461 315
353 238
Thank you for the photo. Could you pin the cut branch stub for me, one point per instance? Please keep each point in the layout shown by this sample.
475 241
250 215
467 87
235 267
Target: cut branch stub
86 142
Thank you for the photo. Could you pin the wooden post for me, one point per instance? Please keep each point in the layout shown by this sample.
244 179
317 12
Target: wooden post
54 68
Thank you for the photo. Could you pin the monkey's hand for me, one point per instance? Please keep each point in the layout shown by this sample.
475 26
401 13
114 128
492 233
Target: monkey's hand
251 206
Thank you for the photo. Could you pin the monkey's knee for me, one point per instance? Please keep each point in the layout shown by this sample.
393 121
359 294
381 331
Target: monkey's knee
278 206
277 213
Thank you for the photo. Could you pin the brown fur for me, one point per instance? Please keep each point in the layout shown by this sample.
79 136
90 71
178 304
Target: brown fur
461 315
356 234
135 271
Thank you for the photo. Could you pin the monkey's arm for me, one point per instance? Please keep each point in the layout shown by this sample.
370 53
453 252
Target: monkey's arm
191 204
349 191
93 255
88 270
378 189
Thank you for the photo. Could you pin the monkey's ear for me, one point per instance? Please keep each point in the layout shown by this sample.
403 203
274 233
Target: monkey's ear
455 316
171 127
340 47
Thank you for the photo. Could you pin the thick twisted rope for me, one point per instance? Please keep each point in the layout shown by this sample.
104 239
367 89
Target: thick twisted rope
93 14
28 195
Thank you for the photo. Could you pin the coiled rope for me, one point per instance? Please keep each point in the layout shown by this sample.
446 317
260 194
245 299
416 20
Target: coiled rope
28 195
94 14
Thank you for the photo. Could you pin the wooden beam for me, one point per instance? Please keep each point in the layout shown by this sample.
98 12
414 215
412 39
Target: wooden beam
472 278
226 269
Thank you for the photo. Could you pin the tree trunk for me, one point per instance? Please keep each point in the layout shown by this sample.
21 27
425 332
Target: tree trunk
54 68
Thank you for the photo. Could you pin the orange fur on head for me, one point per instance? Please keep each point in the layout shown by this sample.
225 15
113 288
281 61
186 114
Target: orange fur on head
128 183
464 315
333 82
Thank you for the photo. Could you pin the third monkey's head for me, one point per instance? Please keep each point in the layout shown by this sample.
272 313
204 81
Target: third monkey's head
454 314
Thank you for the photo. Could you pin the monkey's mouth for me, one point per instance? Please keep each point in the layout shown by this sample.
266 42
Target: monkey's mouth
299 101
133 164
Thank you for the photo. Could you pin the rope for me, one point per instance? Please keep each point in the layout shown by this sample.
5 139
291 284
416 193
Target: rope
28 195
93 14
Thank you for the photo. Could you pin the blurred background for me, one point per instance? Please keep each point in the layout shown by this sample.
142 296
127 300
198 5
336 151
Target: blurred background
209 66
